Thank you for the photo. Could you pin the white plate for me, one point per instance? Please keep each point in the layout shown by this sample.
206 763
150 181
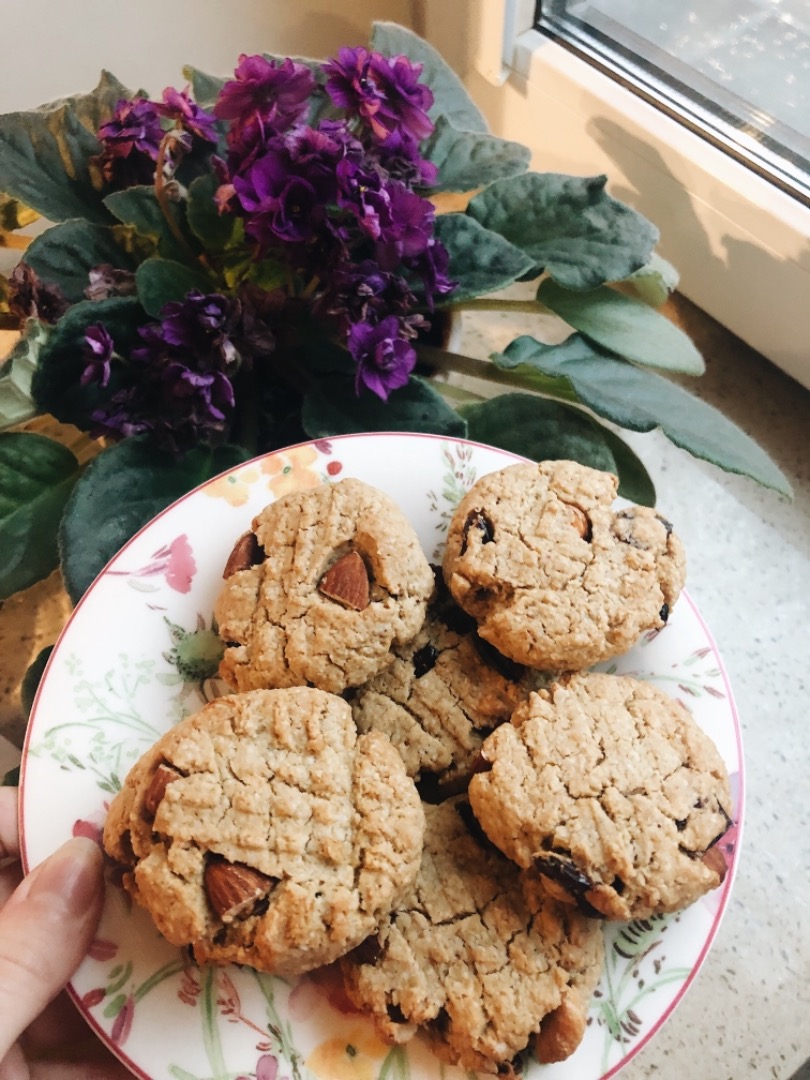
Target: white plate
123 672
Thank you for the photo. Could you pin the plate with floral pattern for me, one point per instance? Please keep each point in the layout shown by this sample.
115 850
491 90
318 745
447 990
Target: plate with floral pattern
139 653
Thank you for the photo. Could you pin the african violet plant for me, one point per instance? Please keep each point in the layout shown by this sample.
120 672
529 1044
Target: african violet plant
256 260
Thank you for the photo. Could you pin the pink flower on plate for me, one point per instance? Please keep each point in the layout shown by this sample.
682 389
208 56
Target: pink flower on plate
173 562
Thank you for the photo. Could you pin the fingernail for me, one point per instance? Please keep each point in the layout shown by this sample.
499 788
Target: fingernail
73 873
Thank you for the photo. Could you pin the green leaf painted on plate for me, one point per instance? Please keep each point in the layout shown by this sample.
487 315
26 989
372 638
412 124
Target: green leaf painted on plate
37 475
625 326
121 490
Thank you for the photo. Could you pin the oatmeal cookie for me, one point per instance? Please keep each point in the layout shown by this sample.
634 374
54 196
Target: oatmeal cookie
476 956
263 831
555 577
610 791
327 582
442 695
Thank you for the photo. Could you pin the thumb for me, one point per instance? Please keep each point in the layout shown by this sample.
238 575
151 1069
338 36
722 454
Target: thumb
45 930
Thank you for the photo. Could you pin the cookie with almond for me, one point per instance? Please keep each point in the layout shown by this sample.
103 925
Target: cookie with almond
263 831
476 958
321 590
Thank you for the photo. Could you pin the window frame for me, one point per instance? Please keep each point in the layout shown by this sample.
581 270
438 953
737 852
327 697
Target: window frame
740 244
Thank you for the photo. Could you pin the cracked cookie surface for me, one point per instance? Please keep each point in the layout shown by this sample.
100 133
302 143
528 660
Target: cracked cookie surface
476 956
321 590
263 831
554 576
609 790
442 695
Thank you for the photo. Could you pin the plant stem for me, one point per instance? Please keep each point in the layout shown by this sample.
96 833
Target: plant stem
532 307
165 206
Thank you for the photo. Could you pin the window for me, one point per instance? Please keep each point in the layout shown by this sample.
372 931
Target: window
739 237
737 71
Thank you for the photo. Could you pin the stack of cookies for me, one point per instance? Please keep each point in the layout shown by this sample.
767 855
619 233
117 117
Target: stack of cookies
417 775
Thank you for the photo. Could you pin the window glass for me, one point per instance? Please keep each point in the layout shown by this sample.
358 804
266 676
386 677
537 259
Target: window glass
738 71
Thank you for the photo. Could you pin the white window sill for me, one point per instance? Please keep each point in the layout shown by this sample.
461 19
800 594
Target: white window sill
740 244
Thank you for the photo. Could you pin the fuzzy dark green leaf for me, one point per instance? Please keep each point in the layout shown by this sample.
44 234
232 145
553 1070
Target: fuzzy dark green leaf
56 387
217 232
635 483
624 326
569 226
45 153
138 207
333 408
450 97
36 478
539 429
17 374
163 280
471 159
641 400
65 254
480 260
121 490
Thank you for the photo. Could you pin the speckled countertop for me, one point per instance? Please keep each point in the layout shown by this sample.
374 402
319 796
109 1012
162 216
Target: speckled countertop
745 1016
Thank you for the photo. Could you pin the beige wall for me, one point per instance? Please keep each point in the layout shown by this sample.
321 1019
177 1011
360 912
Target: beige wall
57 47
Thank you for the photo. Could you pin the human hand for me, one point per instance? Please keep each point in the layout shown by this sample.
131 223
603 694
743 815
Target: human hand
47 922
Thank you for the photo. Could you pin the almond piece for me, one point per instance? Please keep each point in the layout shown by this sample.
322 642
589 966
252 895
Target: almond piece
234 889
713 858
247 552
346 582
579 519
161 778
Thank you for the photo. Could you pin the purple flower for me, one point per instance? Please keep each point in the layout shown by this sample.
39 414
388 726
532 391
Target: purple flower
31 298
274 95
178 106
385 93
384 359
134 125
98 352
107 280
200 324
406 226
362 292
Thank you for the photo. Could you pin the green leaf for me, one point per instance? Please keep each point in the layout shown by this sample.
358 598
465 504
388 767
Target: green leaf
333 408
216 232
65 254
11 778
32 678
138 207
539 429
205 88
655 282
641 400
56 387
635 483
162 280
45 153
450 97
480 261
569 225
36 478
17 373
470 159
626 327
121 490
